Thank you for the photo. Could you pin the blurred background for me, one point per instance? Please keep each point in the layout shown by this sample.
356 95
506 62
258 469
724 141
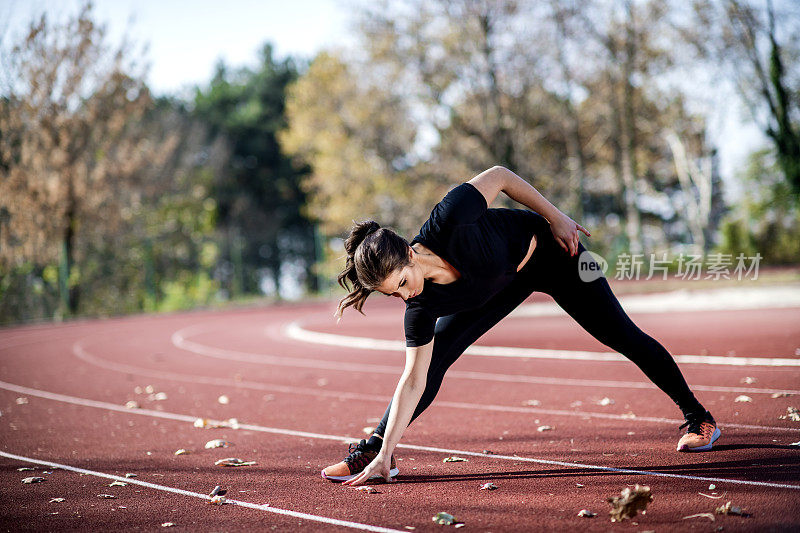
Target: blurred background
165 155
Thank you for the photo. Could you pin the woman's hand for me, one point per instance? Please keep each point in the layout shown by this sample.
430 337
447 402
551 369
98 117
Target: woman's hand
380 466
565 230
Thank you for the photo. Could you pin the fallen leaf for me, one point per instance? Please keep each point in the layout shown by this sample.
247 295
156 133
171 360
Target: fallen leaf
532 403
795 443
780 394
217 443
369 489
606 401
544 428
117 484
743 398
21 401
580 485
710 496
488 452
321 382
445 519
368 430
454 459
149 389
219 491
26 469
234 461
729 508
201 423
701 515
131 405
629 502
107 496
157 397
488 486
586 513
792 414
628 415
712 487
748 380
168 524
218 500
224 400
34 479
182 452
57 500
129 475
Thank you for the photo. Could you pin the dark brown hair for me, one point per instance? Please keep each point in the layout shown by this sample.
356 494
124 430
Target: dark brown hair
373 253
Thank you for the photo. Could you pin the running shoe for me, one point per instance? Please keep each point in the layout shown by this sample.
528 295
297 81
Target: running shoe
700 435
360 455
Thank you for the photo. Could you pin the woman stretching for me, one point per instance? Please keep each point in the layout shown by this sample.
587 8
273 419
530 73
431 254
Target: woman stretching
469 267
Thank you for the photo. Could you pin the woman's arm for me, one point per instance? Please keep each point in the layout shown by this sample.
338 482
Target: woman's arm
406 398
491 182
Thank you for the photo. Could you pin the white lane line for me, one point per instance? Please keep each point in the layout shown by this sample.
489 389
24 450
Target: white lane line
258 507
297 332
305 434
88 358
179 340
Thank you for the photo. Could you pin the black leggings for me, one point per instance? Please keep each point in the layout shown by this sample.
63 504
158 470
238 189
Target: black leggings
552 271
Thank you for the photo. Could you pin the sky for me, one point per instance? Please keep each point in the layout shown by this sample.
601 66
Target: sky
188 37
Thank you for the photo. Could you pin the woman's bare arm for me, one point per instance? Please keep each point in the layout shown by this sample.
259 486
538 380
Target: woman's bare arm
496 179
406 398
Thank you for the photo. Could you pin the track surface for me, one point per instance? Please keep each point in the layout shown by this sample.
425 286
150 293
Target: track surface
64 388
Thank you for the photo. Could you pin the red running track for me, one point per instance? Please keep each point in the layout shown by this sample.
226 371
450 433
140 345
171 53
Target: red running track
64 388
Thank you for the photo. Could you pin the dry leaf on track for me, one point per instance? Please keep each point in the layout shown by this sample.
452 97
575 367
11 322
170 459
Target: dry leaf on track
34 479
107 496
182 452
743 398
729 508
700 515
217 443
586 513
629 502
454 459
234 461
57 500
792 414
219 500
488 486
369 489
446 519
544 428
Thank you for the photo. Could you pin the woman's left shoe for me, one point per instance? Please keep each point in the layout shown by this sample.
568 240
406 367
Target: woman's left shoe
700 435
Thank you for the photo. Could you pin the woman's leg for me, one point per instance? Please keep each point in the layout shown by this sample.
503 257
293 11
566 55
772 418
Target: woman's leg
597 310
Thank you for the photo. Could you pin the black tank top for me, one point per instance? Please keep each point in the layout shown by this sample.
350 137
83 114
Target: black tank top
484 245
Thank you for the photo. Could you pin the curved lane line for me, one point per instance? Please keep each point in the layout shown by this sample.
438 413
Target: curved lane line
259 507
304 434
179 340
80 352
297 332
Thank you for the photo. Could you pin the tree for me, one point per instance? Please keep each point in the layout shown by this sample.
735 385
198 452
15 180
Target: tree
758 46
258 195
70 145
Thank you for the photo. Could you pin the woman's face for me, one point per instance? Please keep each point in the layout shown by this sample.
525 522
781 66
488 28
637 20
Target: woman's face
405 283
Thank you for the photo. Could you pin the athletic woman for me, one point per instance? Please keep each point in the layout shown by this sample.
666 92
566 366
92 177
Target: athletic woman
469 267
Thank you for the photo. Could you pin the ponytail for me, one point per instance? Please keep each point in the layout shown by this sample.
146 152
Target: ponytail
372 254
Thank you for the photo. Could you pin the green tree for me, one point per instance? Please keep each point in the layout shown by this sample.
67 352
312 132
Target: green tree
258 195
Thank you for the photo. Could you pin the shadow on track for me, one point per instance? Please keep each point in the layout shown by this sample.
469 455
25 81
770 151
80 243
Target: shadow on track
768 470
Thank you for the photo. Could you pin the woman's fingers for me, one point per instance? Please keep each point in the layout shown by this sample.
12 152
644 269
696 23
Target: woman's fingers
584 230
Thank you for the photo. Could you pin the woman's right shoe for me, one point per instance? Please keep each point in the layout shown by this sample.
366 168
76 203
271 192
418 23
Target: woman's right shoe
700 435
359 456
